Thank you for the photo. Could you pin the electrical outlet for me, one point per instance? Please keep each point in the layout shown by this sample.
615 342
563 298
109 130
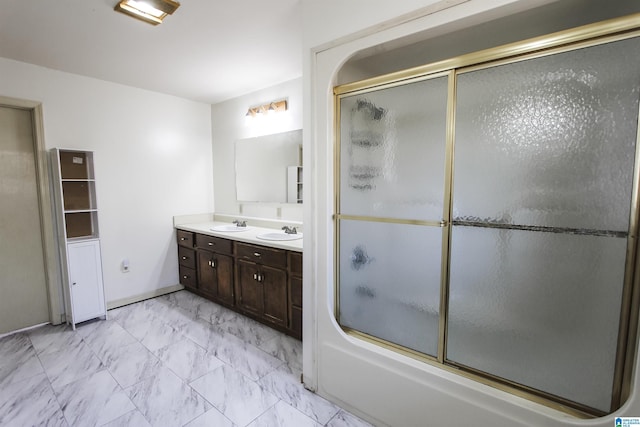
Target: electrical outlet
125 265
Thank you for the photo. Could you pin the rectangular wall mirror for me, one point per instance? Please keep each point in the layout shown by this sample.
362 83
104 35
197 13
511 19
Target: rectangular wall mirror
269 168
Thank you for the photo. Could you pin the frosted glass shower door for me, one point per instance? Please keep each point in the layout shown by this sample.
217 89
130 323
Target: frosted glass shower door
392 174
544 163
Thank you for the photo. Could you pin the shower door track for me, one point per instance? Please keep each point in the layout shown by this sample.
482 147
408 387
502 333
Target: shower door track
539 228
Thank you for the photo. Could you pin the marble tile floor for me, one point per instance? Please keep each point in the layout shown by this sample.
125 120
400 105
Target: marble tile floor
174 360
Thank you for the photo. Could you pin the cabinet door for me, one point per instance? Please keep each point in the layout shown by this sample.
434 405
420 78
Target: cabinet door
224 277
274 284
85 281
206 273
249 289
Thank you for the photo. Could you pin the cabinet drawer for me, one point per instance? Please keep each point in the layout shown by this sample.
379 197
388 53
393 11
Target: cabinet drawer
262 255
213 243
185 238
295 263
187 276
187 257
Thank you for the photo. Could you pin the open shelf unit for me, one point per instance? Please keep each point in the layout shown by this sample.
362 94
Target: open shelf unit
294 184
78 188
78 234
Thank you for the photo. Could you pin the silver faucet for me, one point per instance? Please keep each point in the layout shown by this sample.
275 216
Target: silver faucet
240 223
290 230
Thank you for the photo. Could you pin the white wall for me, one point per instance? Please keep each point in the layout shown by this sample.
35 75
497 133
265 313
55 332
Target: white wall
383 386
229 123
152 161
358 18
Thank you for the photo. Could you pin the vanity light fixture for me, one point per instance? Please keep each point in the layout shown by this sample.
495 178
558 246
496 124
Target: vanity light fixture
275 106
151 11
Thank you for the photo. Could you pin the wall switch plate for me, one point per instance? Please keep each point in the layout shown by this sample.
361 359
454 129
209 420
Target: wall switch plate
125 265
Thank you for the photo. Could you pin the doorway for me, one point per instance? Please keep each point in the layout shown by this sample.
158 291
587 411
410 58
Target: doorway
27 251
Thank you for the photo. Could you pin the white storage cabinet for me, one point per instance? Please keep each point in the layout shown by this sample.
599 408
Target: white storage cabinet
78 235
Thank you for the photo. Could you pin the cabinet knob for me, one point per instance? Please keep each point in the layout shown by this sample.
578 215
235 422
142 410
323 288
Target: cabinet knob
184 277
255 277
74 283
183 238
257 254
210 243
184 257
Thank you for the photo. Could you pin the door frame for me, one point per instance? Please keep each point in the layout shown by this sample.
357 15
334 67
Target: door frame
49 252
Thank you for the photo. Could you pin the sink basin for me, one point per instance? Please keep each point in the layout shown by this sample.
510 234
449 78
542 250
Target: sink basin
279 235
229 228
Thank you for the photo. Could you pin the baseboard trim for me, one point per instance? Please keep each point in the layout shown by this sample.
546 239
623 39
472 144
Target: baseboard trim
28 328
142 297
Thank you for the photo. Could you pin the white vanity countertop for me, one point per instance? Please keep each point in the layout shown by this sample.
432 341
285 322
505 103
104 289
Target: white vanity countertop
247 236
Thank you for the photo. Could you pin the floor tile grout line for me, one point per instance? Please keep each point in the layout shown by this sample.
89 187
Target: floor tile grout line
128 397
263 412
184 381
213 407
332 418
207 373
126 413
187 310
105 368
296 409
55 395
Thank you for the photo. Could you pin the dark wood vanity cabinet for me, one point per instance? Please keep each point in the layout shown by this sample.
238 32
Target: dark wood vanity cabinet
261 282
186 259
215 268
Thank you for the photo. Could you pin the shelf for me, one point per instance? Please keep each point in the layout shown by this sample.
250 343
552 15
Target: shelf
78 195
294 184
81 224
82 239
76 165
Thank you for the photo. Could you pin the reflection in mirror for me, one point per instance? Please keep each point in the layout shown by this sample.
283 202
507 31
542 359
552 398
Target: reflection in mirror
263 165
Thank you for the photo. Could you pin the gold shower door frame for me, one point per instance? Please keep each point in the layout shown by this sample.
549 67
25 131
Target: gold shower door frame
565 41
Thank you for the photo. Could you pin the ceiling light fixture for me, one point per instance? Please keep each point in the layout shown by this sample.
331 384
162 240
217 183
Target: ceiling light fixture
275 106
151 11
